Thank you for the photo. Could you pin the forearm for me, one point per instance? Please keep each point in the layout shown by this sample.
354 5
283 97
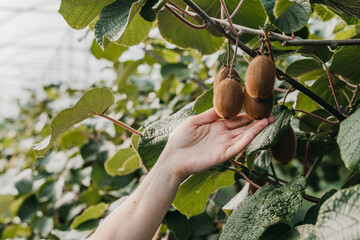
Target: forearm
142 212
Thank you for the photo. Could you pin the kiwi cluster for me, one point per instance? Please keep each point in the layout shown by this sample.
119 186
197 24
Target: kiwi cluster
258 97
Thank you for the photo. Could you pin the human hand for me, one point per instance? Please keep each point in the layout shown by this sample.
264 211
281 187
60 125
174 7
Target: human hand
203 141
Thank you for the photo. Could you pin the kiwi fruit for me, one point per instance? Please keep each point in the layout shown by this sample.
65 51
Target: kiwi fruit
284 150
257 108
224 73
228 97
260 77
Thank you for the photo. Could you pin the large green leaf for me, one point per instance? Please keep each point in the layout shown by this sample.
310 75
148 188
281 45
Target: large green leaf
194 192
323 13
348 7
294 18
93 212
281 6
270 204
312 213
339 216
116 20
125 161
78 14
204 101
154 138
111 53
270 135
262 162
346 63
349 141
321 54
94 101
301 67
320 144
186 37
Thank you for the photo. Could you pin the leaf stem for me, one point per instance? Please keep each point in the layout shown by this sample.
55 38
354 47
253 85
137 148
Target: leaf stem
313 168
183 19
306 156
182 10
123 125
317 117
332 87
287 93
273 171
245 177
237 9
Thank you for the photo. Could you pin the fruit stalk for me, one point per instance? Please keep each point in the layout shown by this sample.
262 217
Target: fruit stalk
123 125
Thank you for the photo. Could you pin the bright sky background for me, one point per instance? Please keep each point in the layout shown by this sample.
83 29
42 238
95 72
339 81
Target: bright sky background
37 47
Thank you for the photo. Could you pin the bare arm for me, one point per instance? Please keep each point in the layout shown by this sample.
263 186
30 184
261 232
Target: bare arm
198 144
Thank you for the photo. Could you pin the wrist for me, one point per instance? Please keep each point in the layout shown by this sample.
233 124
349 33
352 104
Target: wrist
167 165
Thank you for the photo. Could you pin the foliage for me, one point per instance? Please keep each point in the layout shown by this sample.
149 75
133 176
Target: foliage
88 164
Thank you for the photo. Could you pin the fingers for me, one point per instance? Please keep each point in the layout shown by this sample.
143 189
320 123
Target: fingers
239 121
242 140
208 116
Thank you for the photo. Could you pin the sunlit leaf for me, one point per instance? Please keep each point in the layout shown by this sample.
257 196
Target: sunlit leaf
125 161
92 212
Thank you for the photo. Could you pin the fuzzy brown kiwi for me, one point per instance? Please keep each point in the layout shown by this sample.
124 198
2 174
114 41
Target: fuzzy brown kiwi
228 97
260 77
224 73
257 108
284 150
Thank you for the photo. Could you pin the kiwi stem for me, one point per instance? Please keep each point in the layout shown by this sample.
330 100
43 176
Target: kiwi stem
273 171
237 9
234 56
229 19
305 158
332 87
183 19
218 27
287 93
123 125
269 46
317 117
245 177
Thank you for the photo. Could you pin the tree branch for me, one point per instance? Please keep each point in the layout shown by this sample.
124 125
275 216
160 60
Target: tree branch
252 53
333 44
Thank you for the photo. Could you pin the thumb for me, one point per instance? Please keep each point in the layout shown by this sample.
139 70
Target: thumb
208 116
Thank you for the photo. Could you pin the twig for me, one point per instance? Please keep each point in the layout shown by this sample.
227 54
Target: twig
346 96
311 198
310 42
190 24
332 87
317 117
306 156
182 10
123 125
229 18
237 9
340 78
245 177
269 45
354 96
281 90
252 53
313 168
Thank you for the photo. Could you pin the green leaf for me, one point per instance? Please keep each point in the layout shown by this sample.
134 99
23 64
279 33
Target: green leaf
93 212
262 162
16 231
323 13
321 54
147 11
78 14
339 216
204 101
94 101
348 7
303 66
312 213
275 231
229 207
179 34
115 22
194 192
43 225
349 141
269 205
346 63
5 203
298 233
154 138
281 6
111 53
294 18
74 138
125 161
270 135
320 144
